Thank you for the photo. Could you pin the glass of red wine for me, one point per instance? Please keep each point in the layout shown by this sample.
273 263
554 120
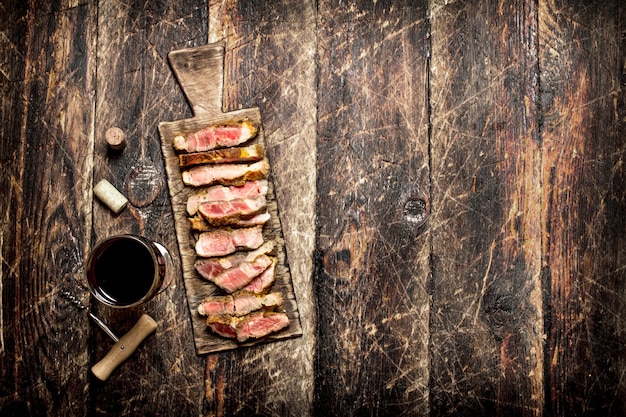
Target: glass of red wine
128 270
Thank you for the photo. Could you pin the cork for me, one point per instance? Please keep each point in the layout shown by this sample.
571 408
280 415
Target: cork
110 196
116 139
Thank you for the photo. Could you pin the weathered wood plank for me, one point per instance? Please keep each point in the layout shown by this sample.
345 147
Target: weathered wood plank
14 88
270 51
486 313
583 73
137 90
372 262
47 85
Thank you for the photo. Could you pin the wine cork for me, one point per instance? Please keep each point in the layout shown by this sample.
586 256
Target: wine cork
116 138
109 195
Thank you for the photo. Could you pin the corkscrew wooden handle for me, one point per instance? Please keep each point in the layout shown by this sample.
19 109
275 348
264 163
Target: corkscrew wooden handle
124 347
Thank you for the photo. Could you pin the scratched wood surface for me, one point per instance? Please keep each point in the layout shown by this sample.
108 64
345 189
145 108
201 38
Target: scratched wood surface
372 251
499 123
281 83
46 160
584 200
486 313
135 90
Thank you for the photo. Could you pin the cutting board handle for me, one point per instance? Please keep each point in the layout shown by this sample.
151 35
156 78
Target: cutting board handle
200 72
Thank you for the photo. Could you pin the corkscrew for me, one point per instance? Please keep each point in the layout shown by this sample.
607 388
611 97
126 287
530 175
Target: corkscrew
70 297
123 347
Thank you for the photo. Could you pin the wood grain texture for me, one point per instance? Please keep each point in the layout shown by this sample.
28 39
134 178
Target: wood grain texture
486 313
47 85
13 86
584 202
372 263
200 73
505 118
270 64
136 90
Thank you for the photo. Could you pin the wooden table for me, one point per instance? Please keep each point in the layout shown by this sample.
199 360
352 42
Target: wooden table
451 184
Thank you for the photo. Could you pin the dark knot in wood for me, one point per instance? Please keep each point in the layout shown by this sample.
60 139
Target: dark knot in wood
417 210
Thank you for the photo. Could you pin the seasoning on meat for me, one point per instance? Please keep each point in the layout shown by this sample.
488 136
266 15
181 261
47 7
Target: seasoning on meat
211 267
217 305
200 225
226 174
225 241
213 137
249 189
219 213
222 325
239 304
252 326
264 280
239 276
250 153
257 325
247 302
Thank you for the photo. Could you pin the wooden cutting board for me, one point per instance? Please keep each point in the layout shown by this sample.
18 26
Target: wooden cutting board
200 72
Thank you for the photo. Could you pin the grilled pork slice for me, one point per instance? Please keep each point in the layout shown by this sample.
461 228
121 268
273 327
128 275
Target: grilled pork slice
257 325
212 306
226 174
211 267
250 153
223 325
239 304
247 302
222 242
200 225
220 213
252 326
239 276
213 137
256 220
250 189
264 280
